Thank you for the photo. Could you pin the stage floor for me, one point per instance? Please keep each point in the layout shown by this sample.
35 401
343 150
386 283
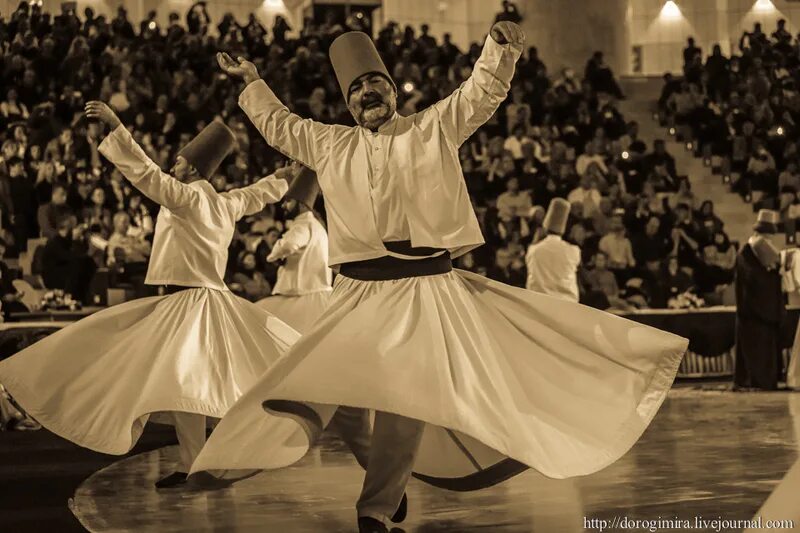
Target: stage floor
707 454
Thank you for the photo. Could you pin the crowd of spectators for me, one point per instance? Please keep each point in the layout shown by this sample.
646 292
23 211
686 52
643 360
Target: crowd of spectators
555 136
745 109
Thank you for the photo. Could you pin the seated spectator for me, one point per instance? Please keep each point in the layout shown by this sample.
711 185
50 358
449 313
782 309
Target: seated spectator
760 174
141 221
660 178
513 203
248 281
50 213
726 253
65 261
659 156
10 299
12 109
125 249
587 195
516 141
651 246
685 102
686 236
23 200
589 156
601 279
710 279
502 271
789 178
585 239
706 214
601 218
618 249
96 215
673 281
684 195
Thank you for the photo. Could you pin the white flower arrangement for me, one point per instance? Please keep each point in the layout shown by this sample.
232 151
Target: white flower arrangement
58 300
686 300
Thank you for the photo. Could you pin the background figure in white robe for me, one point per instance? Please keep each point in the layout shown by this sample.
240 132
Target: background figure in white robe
471 381
304 280
790 262
192 352
552 262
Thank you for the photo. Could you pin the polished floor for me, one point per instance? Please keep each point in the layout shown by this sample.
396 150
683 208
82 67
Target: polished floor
708 454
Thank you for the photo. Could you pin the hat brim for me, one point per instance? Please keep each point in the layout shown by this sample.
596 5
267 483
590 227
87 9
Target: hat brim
765 227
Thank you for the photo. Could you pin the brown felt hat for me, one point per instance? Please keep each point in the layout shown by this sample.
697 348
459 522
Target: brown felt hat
767 254
767 221
353 54
211 146
304 188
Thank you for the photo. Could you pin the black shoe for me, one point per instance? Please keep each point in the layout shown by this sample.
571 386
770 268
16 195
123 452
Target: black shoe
402 511
172 480
370 525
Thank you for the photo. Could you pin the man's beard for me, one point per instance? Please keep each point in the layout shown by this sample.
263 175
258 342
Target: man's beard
372 118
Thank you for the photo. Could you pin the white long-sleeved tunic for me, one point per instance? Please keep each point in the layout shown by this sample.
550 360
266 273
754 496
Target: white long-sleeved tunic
305 248
403 182
553 268
196 223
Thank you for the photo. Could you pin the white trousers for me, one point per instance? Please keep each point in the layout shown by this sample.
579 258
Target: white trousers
387 456
191 431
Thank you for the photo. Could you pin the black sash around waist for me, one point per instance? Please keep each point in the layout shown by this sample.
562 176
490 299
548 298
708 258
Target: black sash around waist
172 289
388 267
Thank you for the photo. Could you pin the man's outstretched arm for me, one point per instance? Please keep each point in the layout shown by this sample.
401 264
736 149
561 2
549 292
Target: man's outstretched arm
476 100
121 149
253 198
303 140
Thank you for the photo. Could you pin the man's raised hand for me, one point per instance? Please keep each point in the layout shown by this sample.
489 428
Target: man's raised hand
100 111
239 67
508 33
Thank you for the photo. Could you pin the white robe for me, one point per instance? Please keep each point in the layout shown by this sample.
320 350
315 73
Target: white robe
96 382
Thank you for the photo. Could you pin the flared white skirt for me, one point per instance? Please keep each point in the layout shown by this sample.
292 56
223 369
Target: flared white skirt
505 379
96 382
302 312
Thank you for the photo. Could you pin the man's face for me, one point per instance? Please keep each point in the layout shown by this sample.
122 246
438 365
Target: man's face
652 226
182 170
16 169
59 196
9 149
372 100
502 259
121 225
161 102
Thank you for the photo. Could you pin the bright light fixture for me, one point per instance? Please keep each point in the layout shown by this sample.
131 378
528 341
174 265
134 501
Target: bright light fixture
273 3
764 6
671 11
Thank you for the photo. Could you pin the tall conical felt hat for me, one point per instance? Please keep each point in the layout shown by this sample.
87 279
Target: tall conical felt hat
353 54
767 254
211 146
555 221
304 188
767 221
